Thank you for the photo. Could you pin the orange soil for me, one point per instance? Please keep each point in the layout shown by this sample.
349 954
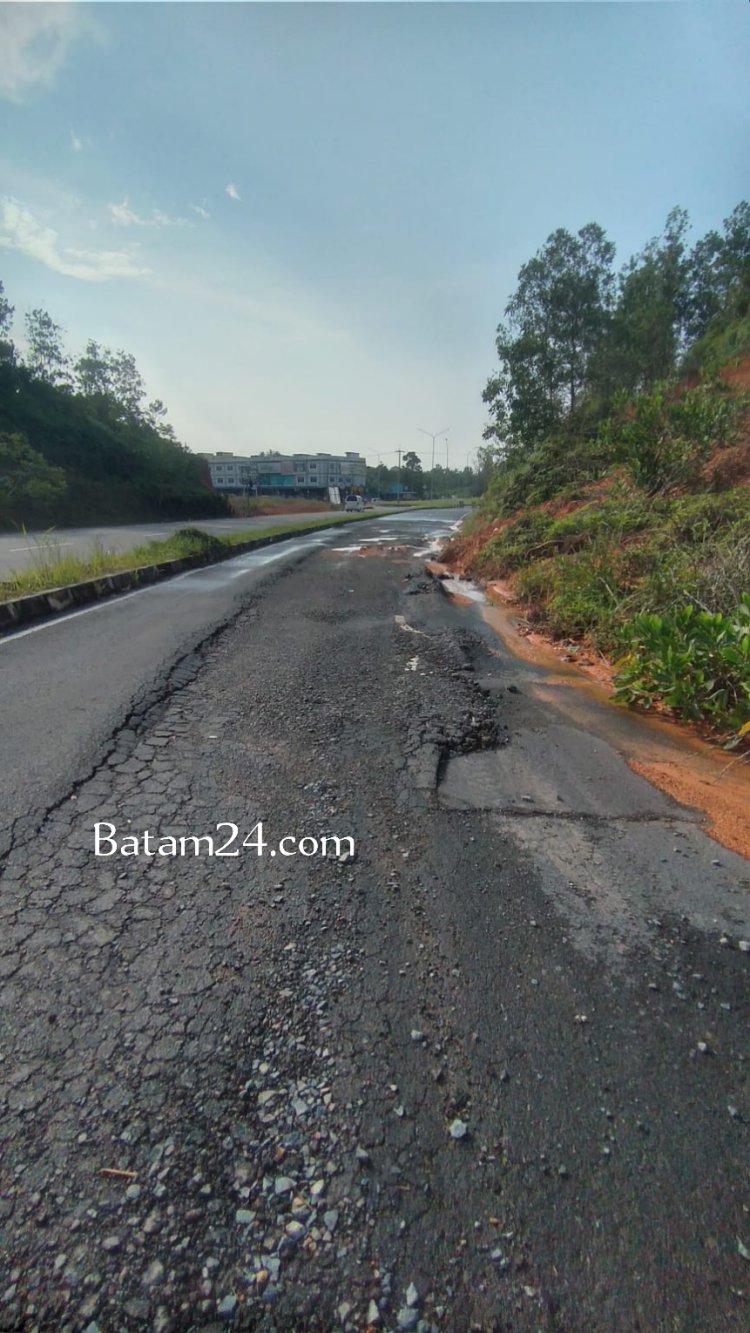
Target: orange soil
738 375
284 507
595 664
723 795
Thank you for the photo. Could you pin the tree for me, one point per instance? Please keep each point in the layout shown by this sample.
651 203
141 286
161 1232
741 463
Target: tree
114 383
26 478
7 350
155 417
128 387
554 321
719 268
46 359
648 326
93 371
412 462
487 458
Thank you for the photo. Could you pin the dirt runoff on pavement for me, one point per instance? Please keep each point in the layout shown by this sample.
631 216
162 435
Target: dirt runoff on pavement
670 755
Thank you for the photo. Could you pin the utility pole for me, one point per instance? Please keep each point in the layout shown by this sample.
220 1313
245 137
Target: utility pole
434 437
398 493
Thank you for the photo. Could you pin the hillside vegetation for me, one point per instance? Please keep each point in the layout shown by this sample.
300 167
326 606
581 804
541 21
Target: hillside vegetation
79 444
618 508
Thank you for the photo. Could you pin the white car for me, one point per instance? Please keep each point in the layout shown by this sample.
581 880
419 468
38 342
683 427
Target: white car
353 504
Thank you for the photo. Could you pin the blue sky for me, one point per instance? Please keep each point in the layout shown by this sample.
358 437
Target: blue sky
305 220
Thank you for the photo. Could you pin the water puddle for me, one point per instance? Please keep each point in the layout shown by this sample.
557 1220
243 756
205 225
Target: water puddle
463 590
457 586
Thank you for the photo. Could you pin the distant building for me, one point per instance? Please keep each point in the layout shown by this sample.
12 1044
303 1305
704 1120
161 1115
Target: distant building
286 474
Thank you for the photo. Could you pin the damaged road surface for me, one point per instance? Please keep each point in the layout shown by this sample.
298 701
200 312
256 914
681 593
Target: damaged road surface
486 1069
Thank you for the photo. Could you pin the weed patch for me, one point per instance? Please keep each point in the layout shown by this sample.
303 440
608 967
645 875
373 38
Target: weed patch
695 662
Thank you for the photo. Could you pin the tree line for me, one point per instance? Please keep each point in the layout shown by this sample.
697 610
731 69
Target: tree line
578 334
410 479
79 440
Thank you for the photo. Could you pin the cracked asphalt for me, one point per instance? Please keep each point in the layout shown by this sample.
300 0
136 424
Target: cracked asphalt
489 1074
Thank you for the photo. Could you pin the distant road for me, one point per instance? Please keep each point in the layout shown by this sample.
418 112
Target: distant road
18 550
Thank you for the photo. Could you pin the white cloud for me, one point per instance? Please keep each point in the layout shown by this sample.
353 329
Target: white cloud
20 230
35 40
201 210
76 144
232 191
122 215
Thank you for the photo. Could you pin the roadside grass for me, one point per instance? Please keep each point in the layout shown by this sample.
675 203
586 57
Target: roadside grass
656 582
50 568
588 570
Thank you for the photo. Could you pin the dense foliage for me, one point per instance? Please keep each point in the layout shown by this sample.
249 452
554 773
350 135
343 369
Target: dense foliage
581 342
619 456
79 444
697 662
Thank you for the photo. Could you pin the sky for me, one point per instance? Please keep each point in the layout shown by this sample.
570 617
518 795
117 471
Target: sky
305 220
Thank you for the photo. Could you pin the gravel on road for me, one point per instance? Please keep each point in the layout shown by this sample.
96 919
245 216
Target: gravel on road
404 1086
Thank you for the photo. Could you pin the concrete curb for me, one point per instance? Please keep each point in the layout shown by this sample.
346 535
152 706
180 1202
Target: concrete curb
56 601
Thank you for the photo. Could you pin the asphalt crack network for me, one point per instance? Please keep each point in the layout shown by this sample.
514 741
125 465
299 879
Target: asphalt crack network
232 1090
138 716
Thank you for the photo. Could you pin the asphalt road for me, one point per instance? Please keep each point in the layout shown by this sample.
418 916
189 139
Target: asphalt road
21 550
488 1072
69 683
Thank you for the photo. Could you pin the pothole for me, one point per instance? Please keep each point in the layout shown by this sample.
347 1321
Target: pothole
555 770
452 714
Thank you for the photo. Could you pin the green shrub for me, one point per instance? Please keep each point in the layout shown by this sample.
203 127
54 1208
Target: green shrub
726 339
194 541
694 518
515 545
586 597
537 582
560 465
184 542
665 436
696 662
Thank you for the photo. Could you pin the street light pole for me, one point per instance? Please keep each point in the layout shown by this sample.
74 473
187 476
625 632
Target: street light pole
434 437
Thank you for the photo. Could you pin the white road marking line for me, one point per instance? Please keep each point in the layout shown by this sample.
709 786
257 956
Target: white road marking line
30 550
118 600
72 615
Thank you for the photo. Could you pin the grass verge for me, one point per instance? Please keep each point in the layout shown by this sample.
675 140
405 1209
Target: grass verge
52 569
